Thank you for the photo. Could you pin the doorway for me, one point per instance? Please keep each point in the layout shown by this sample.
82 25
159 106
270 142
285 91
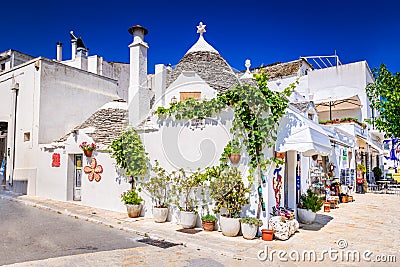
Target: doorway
3 152
77 178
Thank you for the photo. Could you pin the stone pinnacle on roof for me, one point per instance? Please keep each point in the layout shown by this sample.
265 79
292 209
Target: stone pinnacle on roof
201 44
247 74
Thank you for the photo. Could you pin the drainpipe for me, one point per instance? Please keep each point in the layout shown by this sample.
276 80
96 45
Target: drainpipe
15 89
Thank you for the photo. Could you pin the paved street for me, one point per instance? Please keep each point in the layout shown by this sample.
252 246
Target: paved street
368 224
27 233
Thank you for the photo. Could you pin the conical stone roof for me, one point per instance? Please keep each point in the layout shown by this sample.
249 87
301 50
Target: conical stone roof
205 60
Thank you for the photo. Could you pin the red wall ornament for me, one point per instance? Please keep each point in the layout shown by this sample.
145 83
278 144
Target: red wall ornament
93 170
55 160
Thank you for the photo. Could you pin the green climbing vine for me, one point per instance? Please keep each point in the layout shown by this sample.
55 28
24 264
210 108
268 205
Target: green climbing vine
257 113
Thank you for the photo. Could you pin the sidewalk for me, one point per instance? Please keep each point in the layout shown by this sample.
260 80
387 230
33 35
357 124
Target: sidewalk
369 223
146 227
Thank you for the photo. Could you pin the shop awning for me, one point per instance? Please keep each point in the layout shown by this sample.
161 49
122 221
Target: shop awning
340 137
297 133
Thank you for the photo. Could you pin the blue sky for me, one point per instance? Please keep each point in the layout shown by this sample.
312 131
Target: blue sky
263 31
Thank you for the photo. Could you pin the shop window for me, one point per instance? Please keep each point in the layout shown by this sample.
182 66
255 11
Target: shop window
27 136
186 95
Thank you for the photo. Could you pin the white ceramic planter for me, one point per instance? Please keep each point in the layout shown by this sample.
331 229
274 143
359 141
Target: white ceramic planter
160 214
249 231
133 210
229 226
188 219
306 216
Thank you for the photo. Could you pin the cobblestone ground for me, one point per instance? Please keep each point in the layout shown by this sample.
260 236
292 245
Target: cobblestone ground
369 227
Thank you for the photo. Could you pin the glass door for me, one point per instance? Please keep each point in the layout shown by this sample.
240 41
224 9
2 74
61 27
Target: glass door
77 176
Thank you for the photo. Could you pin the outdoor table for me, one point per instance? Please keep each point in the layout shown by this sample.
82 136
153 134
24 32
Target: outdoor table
383 184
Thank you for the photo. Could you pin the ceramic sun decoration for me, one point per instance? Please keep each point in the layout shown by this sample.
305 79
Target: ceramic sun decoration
93 170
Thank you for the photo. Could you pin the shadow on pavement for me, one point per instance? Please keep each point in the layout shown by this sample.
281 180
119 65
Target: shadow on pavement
320 221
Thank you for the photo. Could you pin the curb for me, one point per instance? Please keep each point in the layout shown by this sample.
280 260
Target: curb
86 218
146 234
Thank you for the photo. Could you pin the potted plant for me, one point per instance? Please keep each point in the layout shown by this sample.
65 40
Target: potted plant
230 194
232 151
185 188
159 187
87 148
250 226
377 172
208 222
133 202
309 204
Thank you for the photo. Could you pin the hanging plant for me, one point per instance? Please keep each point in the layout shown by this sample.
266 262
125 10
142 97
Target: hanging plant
129 154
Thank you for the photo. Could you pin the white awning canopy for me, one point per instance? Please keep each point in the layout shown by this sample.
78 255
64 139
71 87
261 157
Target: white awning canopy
297 133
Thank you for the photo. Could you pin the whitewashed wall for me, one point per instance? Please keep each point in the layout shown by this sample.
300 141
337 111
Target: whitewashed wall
71 94
186 82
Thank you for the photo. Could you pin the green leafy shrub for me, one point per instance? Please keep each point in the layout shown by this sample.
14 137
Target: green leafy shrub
159 186
251 221
377 172
129 153
310 201
131 197
362 168
228 191
185 188
209 218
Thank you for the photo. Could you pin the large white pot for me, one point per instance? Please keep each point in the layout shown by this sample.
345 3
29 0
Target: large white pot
188 219
306 216
229 226
249 231
133 210
160 214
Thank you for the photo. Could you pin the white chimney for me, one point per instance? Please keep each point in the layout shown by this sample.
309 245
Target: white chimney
59 51
138 92
160 84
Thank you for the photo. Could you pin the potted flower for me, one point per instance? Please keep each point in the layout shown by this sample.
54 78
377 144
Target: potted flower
133 202
230 194
309 204
208 222
88 148
159 187
232 151
250 226
185 188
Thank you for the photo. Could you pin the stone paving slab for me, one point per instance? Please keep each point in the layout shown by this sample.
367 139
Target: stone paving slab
371 223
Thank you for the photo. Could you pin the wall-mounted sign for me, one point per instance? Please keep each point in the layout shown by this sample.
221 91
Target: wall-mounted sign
55 160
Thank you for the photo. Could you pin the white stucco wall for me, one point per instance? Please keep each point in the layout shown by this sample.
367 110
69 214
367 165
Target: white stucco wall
186 82
52 181
28 78
70 94
349 78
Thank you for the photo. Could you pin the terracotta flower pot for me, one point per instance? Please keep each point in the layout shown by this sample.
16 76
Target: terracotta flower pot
235 158
133 210
327 207
267 234
208 226
88 153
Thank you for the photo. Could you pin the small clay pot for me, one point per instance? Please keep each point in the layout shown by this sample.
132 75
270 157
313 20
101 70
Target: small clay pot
88 153
267 234
235 158
208 226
